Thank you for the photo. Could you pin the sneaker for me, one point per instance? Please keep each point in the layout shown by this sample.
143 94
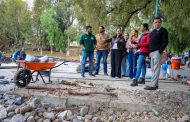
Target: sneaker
128 78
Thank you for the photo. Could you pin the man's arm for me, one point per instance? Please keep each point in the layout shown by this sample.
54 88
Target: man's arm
106 37
82 42
109 44
164 42
109 40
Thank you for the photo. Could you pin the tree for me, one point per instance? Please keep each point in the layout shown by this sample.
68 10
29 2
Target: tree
63 16
176 44
39 35
109 13
178 27
130 14
51 27
74 32
15 22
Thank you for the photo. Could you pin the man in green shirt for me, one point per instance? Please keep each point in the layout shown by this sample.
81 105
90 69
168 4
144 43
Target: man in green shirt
88 43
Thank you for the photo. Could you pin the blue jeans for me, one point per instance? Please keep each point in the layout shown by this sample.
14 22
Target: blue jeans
132 64
90 56
99 54
136 56
141 66
125 66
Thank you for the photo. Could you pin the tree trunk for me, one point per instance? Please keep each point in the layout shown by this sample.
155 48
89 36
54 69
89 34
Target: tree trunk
41 51
61 51
68 53
51 47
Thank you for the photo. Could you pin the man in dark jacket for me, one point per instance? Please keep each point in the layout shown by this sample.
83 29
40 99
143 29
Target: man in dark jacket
157 44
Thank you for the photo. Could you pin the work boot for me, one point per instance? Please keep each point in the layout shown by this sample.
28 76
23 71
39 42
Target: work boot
134 83
142 81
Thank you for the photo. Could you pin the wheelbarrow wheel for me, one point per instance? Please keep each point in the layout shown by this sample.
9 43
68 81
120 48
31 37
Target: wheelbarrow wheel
22 78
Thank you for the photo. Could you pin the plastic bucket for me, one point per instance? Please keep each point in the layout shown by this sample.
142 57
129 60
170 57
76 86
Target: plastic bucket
176 62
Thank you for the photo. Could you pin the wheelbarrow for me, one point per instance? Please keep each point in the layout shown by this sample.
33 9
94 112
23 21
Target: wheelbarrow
24 76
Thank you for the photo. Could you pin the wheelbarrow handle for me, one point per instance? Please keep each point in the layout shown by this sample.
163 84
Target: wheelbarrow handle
60 64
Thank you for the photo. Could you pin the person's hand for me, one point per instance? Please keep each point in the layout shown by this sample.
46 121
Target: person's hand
83 47
130 46
109 50
134 46
96 50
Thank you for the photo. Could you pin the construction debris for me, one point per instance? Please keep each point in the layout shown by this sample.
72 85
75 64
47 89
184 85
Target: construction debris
77 83
108 88
70 91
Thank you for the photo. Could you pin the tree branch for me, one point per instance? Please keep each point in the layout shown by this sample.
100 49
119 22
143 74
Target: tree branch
135 11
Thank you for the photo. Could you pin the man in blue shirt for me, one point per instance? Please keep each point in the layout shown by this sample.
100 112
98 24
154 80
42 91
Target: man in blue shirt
19 55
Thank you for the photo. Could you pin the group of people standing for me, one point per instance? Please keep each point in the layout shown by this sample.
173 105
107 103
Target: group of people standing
128 52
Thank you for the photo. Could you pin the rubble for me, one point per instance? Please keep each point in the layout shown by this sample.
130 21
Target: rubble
168 105
171 106
33 110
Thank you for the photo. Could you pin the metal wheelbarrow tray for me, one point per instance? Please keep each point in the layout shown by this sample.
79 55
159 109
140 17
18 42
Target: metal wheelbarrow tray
23 76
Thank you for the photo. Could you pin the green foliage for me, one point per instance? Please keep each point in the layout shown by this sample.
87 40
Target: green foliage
74 32
62 18
51 27
15 21
50 21
39 36
130 14
115 13
64 14
178 19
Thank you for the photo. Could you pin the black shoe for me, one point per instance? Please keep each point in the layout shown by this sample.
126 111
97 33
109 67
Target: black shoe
142 81
134 83
83 75
156 87
106 74
92 75
95 73
150 88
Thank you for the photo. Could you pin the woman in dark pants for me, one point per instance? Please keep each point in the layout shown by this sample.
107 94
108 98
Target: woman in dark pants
117 51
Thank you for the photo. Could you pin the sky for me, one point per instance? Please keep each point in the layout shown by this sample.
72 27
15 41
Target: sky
30 3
